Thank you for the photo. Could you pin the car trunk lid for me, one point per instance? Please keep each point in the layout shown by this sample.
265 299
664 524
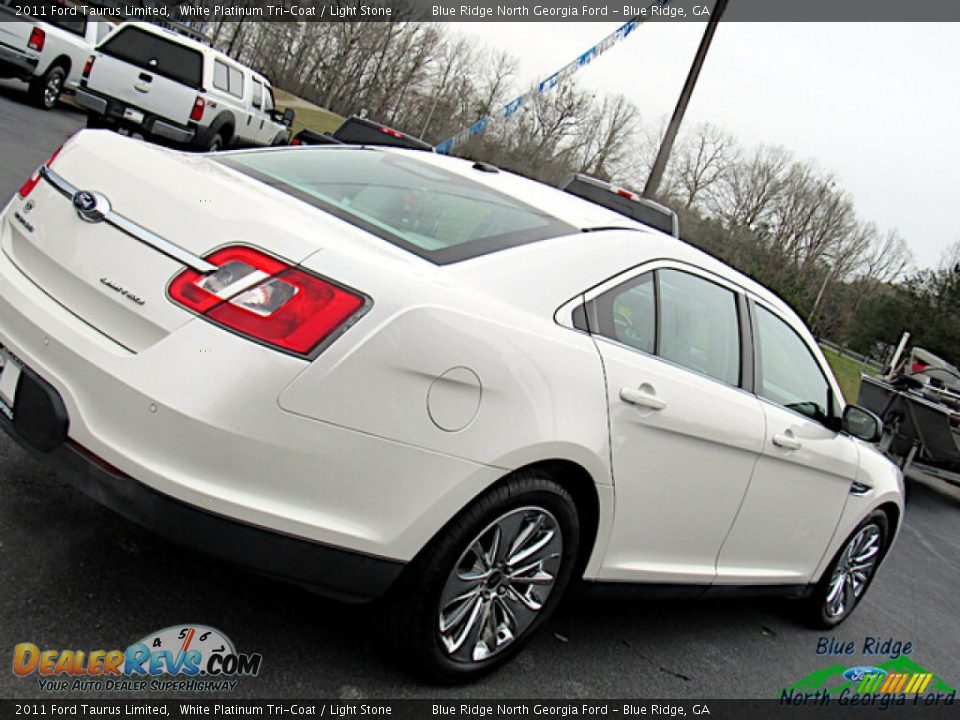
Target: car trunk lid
116 281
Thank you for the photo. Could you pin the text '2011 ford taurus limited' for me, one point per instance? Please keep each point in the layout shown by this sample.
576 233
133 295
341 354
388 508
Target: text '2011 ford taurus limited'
392 374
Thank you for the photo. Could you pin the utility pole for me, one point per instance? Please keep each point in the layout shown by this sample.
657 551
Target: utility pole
666 146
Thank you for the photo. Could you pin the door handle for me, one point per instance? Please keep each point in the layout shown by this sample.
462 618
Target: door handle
641 399
787 441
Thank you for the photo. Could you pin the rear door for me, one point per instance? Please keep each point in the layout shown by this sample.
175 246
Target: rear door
149 71
684 432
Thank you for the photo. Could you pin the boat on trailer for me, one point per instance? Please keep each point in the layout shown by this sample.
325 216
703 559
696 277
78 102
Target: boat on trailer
919 402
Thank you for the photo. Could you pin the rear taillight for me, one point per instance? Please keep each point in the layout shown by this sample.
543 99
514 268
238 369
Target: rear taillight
88 66
295 141
198 106
918 366
32 181
625 193
37 38
267 300
390 131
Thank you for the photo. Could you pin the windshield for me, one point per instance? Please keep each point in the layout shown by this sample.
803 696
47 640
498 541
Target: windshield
436 214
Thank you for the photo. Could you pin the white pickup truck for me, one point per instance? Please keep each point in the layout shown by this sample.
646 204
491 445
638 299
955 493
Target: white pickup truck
149 81
46 49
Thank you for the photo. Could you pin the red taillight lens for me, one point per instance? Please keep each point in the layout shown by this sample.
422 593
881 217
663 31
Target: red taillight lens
295 141
198 106
390 131
37 38
32 181
918 367
625 193
267 300
88 66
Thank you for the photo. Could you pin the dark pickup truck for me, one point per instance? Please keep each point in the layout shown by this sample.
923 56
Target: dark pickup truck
356 130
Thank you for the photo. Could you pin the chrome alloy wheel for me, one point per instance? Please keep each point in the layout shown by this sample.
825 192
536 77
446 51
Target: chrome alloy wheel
51 90
500 584
853 571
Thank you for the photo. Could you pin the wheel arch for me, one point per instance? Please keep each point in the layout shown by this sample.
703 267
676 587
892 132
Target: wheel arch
893 513
61 60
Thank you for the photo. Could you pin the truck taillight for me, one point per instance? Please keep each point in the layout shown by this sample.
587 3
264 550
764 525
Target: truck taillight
37 38
32 181
390 131
267 300
198 106
88 66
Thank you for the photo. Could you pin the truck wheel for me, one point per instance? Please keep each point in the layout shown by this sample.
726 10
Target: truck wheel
216 143
45 91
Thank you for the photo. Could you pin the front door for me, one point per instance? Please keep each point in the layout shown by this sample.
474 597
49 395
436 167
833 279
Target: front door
802 480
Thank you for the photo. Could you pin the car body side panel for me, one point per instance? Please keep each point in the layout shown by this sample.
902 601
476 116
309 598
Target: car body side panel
887 487
465 385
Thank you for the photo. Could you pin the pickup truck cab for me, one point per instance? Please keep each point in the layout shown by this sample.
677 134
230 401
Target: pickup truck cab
149 81
46 50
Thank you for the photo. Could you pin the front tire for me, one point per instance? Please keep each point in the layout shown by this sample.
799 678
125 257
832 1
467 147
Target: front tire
479 591
45 91
846 581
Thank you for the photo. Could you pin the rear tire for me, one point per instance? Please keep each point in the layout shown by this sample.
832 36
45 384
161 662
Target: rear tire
846 581
45 91
477 593
216 143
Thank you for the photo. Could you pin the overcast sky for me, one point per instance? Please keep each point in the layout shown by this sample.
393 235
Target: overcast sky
878 104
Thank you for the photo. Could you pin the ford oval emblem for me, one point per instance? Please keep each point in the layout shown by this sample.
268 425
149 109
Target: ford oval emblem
91 206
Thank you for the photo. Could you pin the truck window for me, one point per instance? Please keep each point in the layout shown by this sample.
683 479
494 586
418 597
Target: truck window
257 93
236 82
227 78
220 80
156 54
77 27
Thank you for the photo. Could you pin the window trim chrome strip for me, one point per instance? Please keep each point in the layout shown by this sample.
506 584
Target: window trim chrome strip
133 229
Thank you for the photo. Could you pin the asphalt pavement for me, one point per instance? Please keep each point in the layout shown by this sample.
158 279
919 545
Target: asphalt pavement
74 575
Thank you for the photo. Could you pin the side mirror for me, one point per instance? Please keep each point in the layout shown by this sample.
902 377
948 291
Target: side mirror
861 423
288 115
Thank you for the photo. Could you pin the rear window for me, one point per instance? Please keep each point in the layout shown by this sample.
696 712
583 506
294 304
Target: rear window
426 210
156 54
650 215
77 27
356 131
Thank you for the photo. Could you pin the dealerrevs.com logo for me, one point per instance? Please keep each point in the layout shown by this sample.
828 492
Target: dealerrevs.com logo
181 658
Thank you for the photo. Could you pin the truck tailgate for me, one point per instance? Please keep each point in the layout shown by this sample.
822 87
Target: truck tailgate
149 72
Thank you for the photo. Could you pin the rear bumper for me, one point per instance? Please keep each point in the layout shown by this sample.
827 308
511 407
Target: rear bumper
113 110
17 62
333 571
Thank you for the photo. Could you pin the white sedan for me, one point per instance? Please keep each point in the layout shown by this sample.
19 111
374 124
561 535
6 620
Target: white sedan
392 374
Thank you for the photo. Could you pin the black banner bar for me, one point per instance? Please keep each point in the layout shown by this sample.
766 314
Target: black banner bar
200 11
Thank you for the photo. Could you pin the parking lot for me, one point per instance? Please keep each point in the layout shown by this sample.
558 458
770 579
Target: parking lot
77 576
